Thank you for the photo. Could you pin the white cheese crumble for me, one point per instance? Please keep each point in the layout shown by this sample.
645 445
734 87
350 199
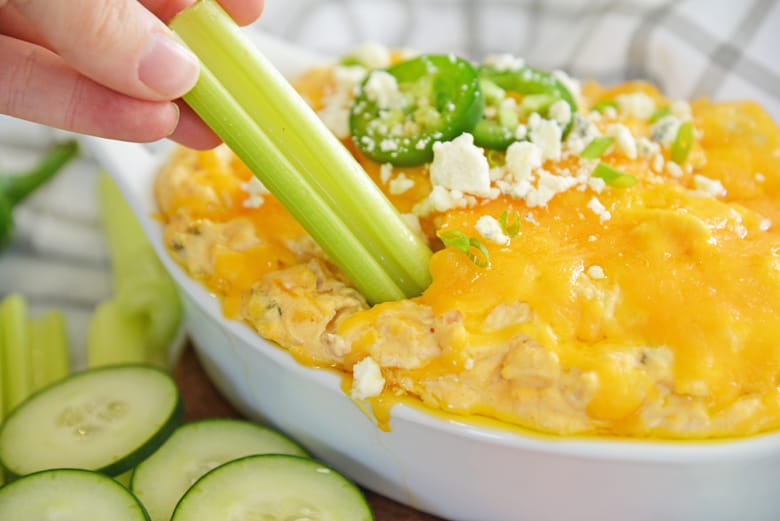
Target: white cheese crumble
256 190
673 169
665 130
707 186
560 111
367 379
382 88
636 104
596 272
599 209
546 134
624 141
489 228
385 171
372 55
759 177
522 158
337 100
400 184
460 165
504 62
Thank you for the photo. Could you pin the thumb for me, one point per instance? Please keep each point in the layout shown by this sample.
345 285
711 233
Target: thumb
117 43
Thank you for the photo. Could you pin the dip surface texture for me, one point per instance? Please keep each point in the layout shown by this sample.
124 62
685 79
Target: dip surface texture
646 308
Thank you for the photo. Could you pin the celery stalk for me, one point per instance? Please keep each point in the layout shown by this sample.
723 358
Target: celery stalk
142 319
49 349
302 163
113 337
17 373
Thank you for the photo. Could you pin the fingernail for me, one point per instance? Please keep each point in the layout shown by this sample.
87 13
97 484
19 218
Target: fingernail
168 67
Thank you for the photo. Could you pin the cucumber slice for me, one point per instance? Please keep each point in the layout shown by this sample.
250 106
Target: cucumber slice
273 487
64 494
194 449
107 419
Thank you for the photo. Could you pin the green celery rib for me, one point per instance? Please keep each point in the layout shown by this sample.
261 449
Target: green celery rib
114 337
143 289
17 372
219 110
49 349
293 133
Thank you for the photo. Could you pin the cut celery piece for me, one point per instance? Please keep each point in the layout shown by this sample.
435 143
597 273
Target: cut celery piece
49 349
145 307
271 128
17 363
114 337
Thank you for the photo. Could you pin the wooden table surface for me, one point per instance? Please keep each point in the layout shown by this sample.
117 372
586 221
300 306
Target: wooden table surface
203 400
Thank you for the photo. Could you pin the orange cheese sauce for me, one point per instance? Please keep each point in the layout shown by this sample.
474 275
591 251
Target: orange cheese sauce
661 320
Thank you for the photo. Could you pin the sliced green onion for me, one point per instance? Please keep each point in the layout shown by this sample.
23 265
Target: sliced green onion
539 102
602 105
256 111
462 242
596 148
495 157
614 177
511 229
659 113
683 142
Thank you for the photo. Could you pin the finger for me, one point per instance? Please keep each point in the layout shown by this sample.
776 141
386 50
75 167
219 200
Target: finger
37 86
243 12
13 24
117 43
192 132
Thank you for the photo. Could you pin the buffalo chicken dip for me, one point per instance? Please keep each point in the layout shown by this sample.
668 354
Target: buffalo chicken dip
607 260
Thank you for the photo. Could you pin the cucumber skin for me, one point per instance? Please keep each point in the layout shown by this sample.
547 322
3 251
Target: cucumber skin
131 460
194 489
34 475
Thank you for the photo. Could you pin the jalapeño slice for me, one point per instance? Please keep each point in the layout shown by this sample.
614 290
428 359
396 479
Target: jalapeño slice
400 112
539 90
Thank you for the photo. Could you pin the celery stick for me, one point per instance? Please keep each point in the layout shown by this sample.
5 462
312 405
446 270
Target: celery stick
17 374
245 138
113 337
49 349
144 294
286 128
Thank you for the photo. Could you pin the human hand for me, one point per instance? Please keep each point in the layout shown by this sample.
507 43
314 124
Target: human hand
109 68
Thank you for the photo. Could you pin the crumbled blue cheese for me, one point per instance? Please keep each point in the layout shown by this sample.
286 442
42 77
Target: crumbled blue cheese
582 132
596 272
522 158
400 184
571 84
709 187
504 62
367 379
681 109
599 209
256 190
673 169
546 134
664 130
624 141
636 104
385 171
759 177
337 100
489 228
371 55
460 165
646 148
382 88
560 111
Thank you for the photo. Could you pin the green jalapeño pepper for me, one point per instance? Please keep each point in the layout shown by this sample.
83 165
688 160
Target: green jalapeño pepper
14 188
537 90
400 112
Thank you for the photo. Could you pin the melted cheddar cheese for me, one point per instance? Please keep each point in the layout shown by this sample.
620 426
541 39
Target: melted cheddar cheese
648 311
